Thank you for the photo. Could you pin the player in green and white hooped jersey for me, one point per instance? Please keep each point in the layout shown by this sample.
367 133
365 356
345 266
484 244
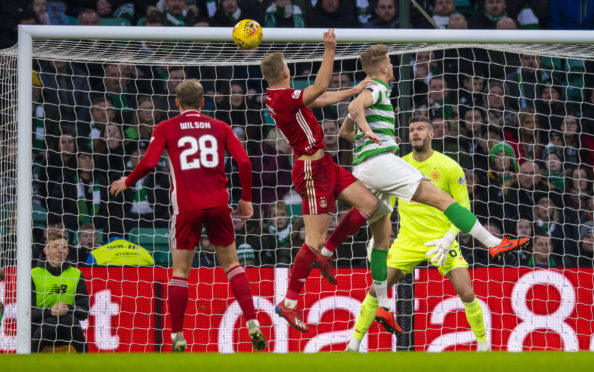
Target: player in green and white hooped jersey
420 223
386 175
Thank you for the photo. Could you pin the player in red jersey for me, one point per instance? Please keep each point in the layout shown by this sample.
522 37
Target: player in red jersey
316 177
196 145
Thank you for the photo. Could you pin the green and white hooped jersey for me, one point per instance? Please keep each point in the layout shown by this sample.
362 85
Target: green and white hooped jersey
381 119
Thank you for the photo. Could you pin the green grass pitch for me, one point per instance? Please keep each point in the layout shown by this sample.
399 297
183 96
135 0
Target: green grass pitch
330 362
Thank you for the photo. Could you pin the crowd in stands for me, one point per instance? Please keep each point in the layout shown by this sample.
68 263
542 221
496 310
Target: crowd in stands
521 126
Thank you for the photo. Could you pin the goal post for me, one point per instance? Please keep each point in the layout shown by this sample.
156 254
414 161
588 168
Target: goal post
301 45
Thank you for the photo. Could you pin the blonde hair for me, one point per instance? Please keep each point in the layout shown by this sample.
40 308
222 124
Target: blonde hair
372 58
272 67
189 93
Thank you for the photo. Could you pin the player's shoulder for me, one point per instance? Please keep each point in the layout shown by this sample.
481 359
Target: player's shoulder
282 93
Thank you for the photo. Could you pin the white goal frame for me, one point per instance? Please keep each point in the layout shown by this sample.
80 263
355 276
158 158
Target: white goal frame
27 33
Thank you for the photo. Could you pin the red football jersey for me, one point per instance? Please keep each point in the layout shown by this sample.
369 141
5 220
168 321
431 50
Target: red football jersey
196 145
295 120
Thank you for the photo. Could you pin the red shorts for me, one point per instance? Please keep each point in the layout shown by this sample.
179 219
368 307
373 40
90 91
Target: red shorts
319 182
186 228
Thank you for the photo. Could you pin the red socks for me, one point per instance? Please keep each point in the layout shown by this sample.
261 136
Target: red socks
349 225
301 268
240 286
178 300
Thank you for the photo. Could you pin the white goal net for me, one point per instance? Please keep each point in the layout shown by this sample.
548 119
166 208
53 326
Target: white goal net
519 118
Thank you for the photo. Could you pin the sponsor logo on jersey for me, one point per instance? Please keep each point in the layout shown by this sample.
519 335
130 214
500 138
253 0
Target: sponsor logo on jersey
296 93
462 180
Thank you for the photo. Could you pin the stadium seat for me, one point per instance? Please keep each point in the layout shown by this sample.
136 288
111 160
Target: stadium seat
39 216
114 22
156 241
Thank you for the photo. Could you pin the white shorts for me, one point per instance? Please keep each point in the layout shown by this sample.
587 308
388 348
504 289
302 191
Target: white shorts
387 175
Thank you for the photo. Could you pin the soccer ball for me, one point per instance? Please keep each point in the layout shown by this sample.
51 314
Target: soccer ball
247 34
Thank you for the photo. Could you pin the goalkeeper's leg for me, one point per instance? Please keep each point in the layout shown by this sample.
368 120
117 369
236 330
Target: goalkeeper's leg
460 279
367 313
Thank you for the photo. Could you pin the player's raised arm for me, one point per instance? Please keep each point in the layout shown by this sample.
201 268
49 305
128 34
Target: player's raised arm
311 93
357 112
347 129
238 153
148 162
330 98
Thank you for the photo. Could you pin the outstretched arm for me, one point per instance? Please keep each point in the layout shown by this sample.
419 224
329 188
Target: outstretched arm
357 111
330 98
324 76
347 129
147 163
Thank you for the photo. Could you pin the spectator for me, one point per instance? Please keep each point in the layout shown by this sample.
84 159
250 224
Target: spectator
119 90
549 220
530 186
55 318
248 234
245 255
38 7
438 99
579 189
586 245
457 22
552 158
478 194
146 202
88 239
550 107
330 128
175 76
503 172
277 232
60 161
473 126
495 105
282 13
101 113
333 14
575 144
472 90
506 23
65 92
524 85
272 169
442 10
447 144
79 197
144 120
524 227
178 12
385 15
229 13
109 152
569 15
541 252
494 10
526 139
297 236
88 17
120 252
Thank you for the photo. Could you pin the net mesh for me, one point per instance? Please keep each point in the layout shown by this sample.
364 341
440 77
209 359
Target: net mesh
95 104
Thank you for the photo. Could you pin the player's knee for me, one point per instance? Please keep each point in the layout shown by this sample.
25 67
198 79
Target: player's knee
467 295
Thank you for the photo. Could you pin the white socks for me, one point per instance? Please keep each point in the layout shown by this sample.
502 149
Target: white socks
481 234
381 292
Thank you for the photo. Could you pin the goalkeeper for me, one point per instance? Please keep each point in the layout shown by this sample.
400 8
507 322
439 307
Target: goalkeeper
423 227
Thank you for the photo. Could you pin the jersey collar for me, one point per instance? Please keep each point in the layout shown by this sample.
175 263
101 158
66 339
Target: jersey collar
381 82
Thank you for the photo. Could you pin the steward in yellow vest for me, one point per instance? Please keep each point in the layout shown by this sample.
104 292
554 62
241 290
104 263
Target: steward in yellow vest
59 299
119 252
